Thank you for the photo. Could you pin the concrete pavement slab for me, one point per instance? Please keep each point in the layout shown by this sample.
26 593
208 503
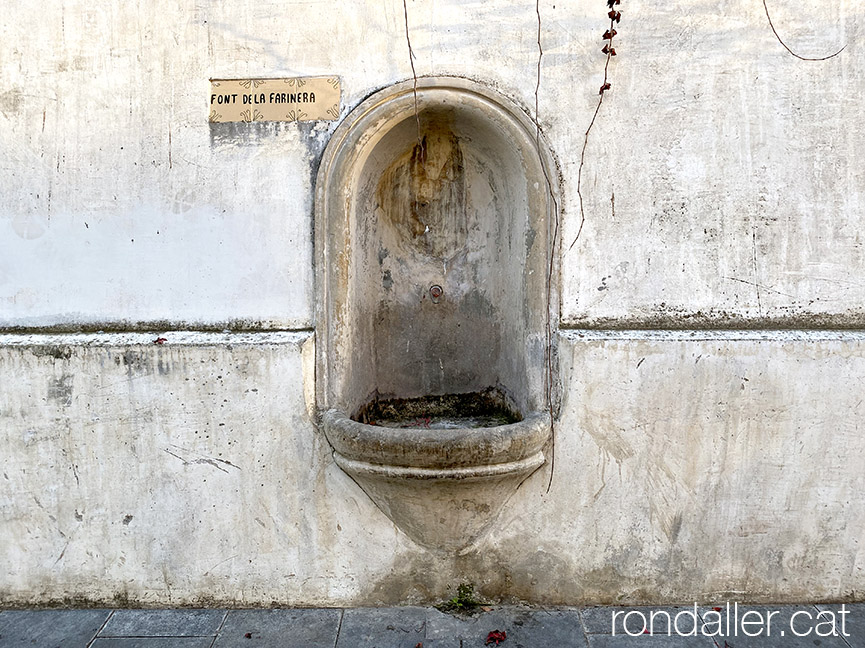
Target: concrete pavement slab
163 623
718 627
50 628
152 642
649 641
294 628
402 627
787 626
772 626
524 628
854 620
599 620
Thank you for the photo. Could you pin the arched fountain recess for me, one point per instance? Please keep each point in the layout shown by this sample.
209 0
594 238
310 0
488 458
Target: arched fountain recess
433 235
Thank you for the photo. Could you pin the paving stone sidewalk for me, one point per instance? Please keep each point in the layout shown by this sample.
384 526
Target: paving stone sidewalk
797 626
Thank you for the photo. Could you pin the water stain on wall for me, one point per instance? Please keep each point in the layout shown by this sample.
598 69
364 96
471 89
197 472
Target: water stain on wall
10 102
60 390
423 193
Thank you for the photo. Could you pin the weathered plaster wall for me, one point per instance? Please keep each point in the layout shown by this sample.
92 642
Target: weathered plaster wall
722 187
737 169
724 178
687 467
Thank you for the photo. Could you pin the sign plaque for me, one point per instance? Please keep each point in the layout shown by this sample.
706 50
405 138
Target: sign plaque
253 100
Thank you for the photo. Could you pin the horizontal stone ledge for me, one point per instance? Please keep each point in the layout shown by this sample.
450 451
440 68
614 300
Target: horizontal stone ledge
156 338
206 338
61 325
698 335
849 320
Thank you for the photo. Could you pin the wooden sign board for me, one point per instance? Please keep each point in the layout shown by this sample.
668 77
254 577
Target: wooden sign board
253 100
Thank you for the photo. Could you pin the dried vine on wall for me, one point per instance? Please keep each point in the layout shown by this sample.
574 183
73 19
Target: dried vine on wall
414 76
609 51
554 227
615 16
801 58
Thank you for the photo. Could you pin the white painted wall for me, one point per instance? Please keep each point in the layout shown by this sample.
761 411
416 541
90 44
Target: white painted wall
688 467
732 162
738 173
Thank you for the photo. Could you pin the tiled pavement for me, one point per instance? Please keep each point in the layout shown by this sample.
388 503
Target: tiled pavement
411 627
